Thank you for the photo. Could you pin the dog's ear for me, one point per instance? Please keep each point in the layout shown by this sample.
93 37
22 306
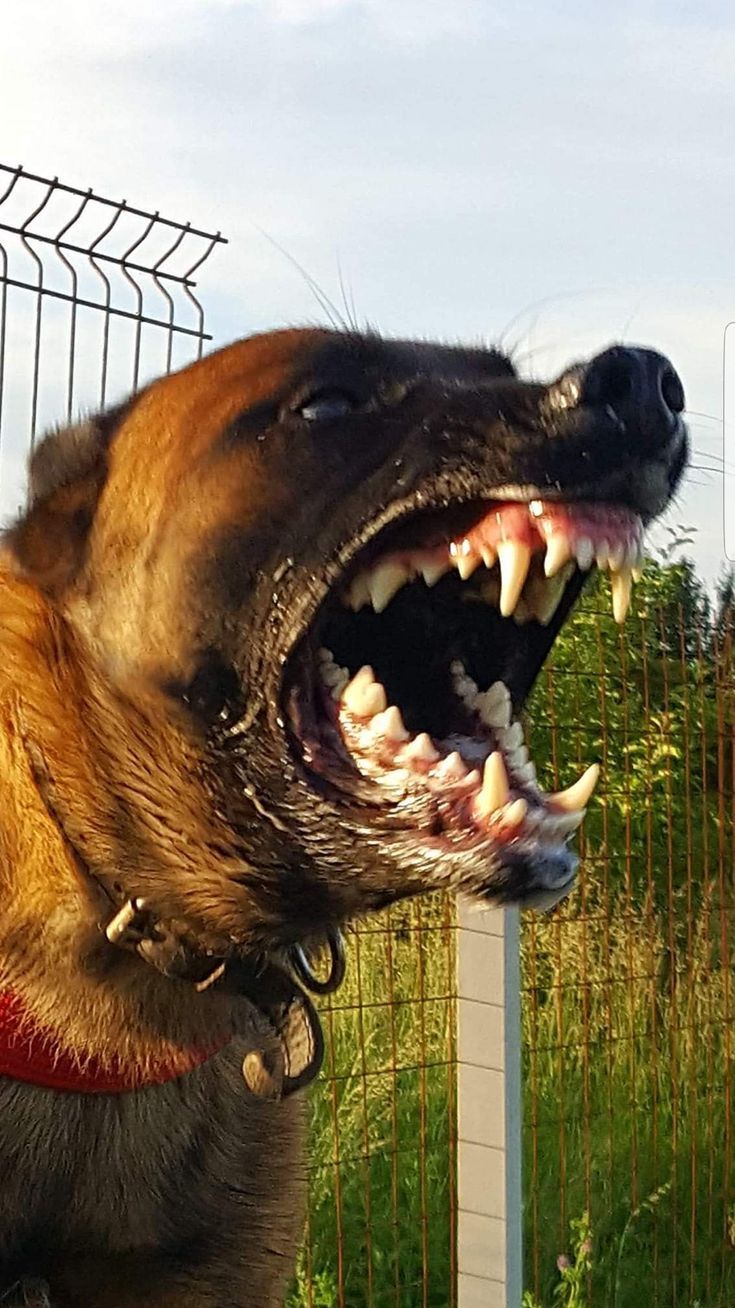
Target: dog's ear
67 471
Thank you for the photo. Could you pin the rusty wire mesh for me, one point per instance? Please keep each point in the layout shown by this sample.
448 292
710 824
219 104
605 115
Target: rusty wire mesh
627 988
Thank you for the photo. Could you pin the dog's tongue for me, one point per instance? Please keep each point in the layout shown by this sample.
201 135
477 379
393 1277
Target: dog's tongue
533 524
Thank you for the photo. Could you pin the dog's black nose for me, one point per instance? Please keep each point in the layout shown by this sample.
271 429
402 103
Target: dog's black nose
641 388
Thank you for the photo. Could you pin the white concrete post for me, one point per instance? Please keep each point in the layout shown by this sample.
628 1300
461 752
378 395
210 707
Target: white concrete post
489 1106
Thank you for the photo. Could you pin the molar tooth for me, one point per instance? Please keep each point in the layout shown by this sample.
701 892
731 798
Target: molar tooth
451 768
558 552
526 774
390 724
578 795
495 791
385 580
512 738
622 585
585 552
364 696
514 558
494 706
422 748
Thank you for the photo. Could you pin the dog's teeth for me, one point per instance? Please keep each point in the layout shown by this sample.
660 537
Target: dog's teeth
422 749
432 572
602 554
514 814
466 565
558 552
616 557
364 696
495 791
451 768
622 585
514 558
390 724
526 774
489 556
385 581
358 592
518 758
494 706
585 553
522 612
512 738
325 655
552 599
577 796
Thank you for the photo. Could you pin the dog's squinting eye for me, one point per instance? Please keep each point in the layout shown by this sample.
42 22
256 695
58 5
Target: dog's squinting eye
214 694
326 405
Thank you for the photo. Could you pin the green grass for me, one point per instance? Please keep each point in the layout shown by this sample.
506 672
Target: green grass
382 1123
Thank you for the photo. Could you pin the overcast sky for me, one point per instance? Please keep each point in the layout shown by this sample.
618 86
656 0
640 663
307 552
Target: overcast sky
558 175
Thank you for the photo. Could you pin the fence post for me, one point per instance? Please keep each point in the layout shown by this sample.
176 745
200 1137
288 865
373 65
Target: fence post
489 1254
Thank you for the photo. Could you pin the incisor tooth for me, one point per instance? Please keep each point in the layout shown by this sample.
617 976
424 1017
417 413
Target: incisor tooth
489 556
495 791
558 552
577 796
622 585
585 552
384 581
364 696
514 558
467 564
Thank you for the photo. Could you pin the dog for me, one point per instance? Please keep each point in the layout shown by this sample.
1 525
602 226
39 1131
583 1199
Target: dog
266 630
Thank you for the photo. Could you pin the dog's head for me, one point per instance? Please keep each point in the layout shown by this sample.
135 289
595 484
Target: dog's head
315 576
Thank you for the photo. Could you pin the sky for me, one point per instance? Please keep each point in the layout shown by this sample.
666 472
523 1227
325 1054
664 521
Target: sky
552 176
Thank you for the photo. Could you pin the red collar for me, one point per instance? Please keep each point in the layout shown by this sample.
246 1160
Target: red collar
32 1054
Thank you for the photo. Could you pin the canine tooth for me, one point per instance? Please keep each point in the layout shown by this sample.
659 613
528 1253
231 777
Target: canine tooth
385 581
495 791
364 696
585 552
558 552
578 795
622 585
390 724
431 572
514 558
467 564
554 591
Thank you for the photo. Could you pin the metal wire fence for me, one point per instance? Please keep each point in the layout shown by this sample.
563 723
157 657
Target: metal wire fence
95 295
627 990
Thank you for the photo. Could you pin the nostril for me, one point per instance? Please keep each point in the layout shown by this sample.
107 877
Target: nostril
610 380
672 391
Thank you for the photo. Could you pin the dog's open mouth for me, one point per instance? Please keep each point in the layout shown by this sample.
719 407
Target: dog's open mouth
406 691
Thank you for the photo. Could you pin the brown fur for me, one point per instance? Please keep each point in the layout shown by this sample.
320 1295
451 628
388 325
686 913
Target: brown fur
196 528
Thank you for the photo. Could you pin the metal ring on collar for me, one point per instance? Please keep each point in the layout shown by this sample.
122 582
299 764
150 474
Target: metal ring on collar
304 972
